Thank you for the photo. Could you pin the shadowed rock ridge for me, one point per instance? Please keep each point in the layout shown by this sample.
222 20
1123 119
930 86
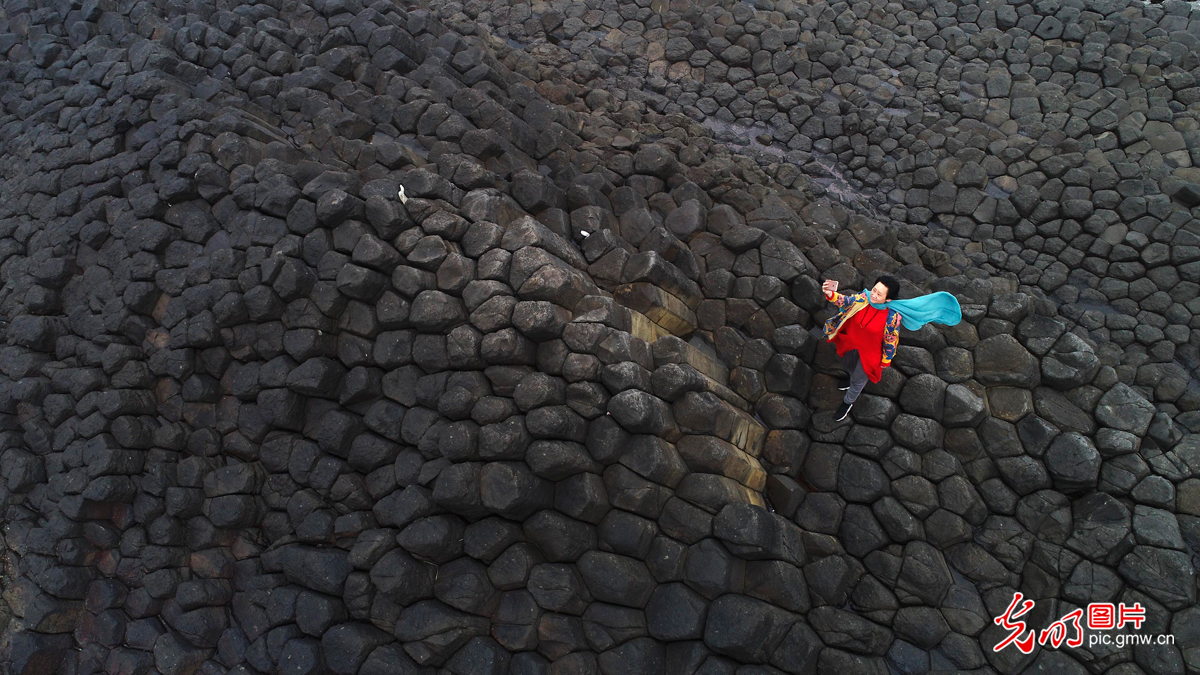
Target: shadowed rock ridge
564 407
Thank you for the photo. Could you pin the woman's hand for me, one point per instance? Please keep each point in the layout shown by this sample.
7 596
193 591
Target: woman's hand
830 287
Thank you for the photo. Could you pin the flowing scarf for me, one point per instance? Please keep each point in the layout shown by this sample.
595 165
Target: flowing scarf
940 307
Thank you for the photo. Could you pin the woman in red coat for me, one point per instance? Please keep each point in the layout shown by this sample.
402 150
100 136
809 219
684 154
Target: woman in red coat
865 337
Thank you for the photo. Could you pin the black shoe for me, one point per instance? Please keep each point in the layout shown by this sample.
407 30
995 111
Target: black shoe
844 385
843 411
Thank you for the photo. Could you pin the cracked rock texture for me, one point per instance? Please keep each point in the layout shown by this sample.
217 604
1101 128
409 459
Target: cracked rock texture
564 408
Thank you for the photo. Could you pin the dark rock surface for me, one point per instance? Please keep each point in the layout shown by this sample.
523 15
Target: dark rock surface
484 337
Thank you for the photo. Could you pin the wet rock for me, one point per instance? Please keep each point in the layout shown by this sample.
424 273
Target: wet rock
616 579
1124 409
558 537
173 655
861 480
744 628
924 573
919 433
778 582
434 631
654 160
830 579
923 396
1070 364
558 588
322 570
1101 528
962 407
1073 463
1001 360
1163 574
689 218
846 630
347 646
1156 527
642 413
675 612
42 653
1060 411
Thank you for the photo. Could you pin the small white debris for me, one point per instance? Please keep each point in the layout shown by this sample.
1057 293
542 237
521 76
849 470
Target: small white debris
403 199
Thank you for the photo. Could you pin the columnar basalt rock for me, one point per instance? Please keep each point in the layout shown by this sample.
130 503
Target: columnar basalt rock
485 337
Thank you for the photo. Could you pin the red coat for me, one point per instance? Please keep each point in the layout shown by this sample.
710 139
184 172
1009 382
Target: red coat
848 307
864 332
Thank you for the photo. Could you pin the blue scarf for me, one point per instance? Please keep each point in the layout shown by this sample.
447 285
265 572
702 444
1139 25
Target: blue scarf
940 307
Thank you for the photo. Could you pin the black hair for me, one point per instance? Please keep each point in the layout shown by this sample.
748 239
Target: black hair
893 286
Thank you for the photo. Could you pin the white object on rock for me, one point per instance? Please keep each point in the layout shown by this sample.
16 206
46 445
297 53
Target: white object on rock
403 199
